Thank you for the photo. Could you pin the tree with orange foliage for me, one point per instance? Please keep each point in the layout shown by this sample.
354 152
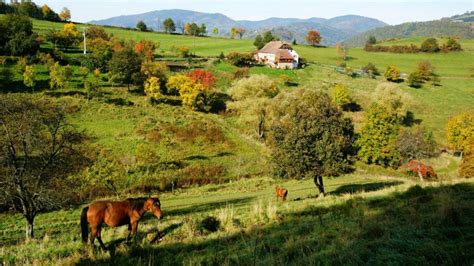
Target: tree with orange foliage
313 38
146 49
206 78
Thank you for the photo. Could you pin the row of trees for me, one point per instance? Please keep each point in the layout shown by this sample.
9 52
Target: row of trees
30 9
423 73
186 28
429 45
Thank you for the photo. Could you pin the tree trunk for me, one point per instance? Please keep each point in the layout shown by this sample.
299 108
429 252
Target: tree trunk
318 181
29 228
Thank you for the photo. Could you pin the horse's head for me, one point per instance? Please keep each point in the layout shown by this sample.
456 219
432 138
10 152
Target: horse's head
155 207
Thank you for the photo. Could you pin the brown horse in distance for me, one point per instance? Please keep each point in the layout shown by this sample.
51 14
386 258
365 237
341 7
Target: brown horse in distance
117 213
281 193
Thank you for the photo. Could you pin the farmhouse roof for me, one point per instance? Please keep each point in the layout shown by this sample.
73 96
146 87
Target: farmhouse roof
284 54
274 47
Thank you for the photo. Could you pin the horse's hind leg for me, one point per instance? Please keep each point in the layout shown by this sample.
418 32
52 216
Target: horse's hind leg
99 238
93 235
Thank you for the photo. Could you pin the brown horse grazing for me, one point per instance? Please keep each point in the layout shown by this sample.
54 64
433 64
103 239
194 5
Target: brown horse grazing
117 213
281 193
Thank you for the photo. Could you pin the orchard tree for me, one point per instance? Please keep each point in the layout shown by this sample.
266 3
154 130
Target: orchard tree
67 37
189 91
429 45
258 42
204 77
371 40
17 36
65 14
251 99
310 136
340 95
460 132
341 50
29 77
152 88
169 25
57 76
49 14
39 150
392 74
313 38
141 26
240 32
124 65
202 30
378 137
146 49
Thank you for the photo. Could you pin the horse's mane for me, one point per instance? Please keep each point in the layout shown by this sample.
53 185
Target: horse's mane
137 203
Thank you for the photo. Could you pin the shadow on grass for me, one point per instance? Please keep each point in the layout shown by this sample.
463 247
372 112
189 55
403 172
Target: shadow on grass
357 188
422 226
210 206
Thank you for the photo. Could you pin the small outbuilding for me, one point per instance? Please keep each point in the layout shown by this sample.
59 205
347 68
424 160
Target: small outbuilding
278 54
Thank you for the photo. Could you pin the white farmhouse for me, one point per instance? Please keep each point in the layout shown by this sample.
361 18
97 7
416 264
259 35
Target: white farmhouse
278 54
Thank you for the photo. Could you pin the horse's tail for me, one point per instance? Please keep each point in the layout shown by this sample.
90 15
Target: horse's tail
84 226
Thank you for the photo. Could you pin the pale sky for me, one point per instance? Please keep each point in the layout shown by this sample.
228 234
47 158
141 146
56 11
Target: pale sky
389 11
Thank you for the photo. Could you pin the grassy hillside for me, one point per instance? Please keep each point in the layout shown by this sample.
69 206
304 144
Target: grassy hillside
385 220
372 216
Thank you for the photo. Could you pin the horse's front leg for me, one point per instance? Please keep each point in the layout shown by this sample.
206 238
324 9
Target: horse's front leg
129 233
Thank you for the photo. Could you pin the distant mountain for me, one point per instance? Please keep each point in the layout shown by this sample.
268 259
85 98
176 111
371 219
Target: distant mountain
332 30
435 28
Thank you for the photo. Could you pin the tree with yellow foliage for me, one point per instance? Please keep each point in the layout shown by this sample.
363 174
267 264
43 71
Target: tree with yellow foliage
189 91
65 14
460 132
152 88
67 37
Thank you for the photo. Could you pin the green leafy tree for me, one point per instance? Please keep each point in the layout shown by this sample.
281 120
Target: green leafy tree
377 140
414 80
49 14
310 136
124 65
17 36
141 26
39 151
202 30
215 31
452 45
268 37
371 40
169 25
259 42
429 45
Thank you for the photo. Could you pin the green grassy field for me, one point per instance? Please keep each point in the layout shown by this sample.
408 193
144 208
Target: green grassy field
373 216
365 219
